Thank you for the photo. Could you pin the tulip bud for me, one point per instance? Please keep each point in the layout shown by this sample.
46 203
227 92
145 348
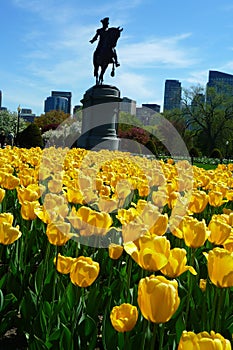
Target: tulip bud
115 251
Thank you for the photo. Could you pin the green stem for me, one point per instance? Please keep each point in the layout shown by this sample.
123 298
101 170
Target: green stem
47 254
129 270
126 341
162 328
144 327
190 287
152 344
219 314
214 308
74 318
53 293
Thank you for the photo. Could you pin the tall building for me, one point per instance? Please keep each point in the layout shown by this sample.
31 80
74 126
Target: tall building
128 105
153 106
222 82
27 115
65 94
57 103
172 95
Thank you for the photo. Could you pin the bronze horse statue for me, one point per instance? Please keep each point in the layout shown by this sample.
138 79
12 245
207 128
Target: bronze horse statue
104 54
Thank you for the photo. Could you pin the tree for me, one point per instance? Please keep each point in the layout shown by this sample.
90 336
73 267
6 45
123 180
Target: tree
128 121
53 118
209 116
9 120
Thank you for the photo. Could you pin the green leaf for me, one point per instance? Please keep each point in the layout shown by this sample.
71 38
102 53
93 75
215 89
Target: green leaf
28 306
55 335
1 300
66 341
180 327
108 334
39 276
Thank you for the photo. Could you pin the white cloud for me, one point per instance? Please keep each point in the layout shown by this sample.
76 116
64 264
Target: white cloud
197 77
157 52
136 86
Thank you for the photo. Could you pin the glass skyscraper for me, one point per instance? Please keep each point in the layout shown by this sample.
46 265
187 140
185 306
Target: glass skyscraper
172 95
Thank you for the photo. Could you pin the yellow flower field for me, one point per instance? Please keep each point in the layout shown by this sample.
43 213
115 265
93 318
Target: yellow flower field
106 250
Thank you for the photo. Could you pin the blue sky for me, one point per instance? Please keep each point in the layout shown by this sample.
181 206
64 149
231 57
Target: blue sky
45 46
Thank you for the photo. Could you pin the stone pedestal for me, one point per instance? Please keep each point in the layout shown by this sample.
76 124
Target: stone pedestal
101 104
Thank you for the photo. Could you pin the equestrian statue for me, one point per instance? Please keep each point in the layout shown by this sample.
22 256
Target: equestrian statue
105 52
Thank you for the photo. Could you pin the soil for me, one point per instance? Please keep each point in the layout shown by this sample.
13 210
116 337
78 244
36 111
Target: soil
12 341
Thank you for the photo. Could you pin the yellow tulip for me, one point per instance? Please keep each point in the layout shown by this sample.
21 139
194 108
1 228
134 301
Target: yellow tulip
6 217
126 215
58 233
229 195
64 263
215 198
90 222
55 185
155 221
151 253
195 232
133 230
198 201
84 271
228 244
220 267
203 341
8 233
28 210
74 195
123 189
219 230
159 198
107 204
202 284
124 317
10 182
143 189
158 298
30 193
115 251
177 264
54 208
2 194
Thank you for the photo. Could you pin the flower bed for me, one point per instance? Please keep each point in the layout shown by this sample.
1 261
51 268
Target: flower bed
105 250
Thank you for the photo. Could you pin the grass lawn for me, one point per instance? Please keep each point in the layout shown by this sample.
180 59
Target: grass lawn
205 166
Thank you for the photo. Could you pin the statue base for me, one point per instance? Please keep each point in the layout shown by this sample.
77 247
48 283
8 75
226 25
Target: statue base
101 105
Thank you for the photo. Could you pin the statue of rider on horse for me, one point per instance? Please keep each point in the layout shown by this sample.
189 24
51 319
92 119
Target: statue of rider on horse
105 52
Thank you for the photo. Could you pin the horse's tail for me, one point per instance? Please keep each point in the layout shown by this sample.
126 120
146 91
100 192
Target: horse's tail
113 70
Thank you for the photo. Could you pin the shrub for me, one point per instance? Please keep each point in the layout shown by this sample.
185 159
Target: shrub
216 153
194 152
31 137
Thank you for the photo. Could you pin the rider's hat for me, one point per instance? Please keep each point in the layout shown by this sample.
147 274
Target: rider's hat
105 20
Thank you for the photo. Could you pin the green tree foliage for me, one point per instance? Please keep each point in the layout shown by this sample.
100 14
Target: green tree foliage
209 119
177 119
31 137
9 120
128 121
50 118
